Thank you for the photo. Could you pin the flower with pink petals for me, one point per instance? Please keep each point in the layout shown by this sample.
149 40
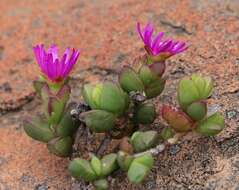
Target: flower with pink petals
156 46
55 69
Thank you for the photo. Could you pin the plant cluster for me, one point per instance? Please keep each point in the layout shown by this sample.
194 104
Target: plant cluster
120 109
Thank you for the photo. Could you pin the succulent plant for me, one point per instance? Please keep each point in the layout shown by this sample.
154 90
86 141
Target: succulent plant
192 115
119 110
56 127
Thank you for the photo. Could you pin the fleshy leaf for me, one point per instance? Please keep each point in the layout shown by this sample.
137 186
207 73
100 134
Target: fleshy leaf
139 168
99 120
178 120
61 146
187 93
80 168
38 129
112 99
96 95
67 125
101 184
124 160
109 164
145 113
166 133
155 88
146 75
203 84
144 140
129 80
197 110
54 104
212 125
96 165
87 95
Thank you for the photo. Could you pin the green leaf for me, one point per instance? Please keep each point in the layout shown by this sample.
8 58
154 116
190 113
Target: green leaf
187 93
96 95
38 129
124 160
96 165
137 172
99 120
155 88
54 103
142 141
203 84
145 159
166 133
112 99
87 95
212 125
80 168
60 146
146 75
109 164
145 113
129 80
101 184
140 168
67 125
197 110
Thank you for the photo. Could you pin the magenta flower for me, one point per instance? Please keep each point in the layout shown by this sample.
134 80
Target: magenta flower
155 46
52 67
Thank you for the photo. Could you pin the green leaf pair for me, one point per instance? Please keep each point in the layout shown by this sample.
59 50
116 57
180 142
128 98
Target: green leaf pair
139 168
58 137
147 79
194 89
142 141
95 169
106 96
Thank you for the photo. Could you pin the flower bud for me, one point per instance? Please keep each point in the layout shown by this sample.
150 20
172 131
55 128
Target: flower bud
109 164
142 141
177 119
98 120
212 125
145 113
139 168
60 146
96 165
197 110
124 160
101 184
129 80
38 129
80 168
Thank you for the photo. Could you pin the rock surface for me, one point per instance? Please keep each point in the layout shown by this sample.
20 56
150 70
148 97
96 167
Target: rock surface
105 31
